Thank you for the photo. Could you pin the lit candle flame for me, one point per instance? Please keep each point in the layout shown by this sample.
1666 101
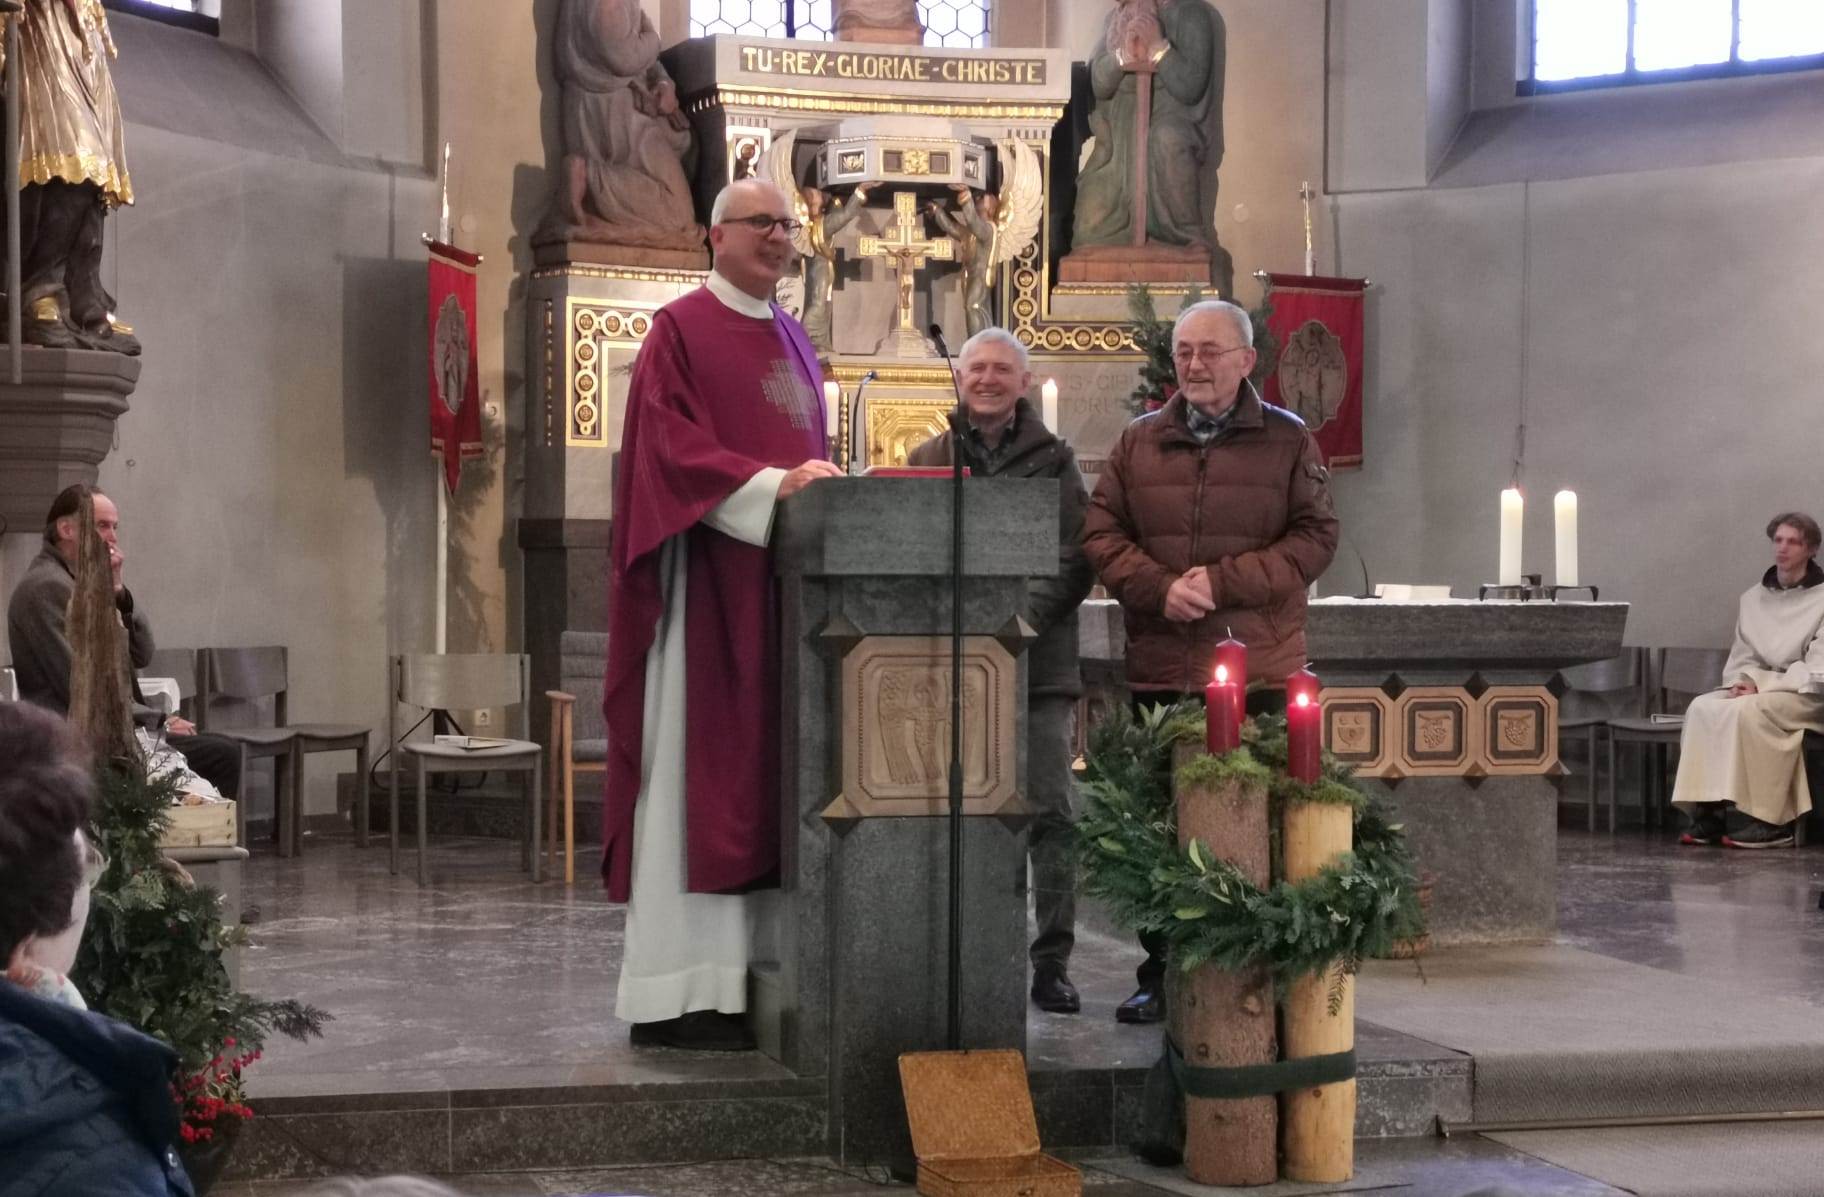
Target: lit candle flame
1222 673
1303 699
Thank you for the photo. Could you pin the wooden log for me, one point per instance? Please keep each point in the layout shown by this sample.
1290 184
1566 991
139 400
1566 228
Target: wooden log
1222 1019
1318 1123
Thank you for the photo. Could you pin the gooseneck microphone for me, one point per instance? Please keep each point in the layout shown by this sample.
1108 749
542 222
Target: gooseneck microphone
959 427
857 412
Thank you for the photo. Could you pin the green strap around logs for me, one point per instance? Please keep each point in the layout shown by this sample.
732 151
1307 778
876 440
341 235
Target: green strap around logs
1258 1080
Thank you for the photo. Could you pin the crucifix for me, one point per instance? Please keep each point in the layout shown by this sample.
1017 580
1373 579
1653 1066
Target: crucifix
907 247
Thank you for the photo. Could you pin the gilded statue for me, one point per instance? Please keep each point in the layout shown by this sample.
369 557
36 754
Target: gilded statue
72 174
1182 44
992 229
627 144
821 215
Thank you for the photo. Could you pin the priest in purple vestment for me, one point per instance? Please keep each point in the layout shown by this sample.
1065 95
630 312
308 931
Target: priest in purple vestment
724 418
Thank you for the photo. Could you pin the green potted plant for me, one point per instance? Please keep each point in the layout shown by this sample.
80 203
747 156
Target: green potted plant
153 958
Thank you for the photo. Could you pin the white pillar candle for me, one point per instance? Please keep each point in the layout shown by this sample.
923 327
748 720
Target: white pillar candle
1564 507
1513 519
1048 406
832 407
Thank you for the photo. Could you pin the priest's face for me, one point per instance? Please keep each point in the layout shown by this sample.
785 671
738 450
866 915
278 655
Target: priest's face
1791 550
1211 360
992 378
753 260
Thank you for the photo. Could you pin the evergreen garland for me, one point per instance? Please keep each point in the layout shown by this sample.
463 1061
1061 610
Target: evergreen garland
1204 909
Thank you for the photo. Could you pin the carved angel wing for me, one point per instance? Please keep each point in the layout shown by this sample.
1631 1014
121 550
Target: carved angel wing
776 165
1022 201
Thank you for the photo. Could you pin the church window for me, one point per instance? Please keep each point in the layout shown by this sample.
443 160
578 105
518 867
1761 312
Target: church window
1579 44
947 22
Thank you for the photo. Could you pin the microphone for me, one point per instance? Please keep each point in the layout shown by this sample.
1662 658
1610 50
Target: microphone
857 411
958 425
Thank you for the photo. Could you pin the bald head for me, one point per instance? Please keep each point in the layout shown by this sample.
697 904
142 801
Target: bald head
752 258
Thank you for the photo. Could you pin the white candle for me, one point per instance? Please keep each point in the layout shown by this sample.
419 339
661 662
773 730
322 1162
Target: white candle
832 407
1564 507
1048 406
1513 519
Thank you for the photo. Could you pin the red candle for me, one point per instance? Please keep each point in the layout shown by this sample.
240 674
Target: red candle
1222 708
1304 727
1232 658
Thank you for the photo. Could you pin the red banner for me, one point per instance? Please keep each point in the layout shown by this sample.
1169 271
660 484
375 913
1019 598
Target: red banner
455 393
1318 324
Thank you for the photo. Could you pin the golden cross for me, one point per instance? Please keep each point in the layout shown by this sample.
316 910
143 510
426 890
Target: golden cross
908 248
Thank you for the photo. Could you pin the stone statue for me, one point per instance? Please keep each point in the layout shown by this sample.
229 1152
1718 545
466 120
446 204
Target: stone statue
627 145
72 173
891 22
1184 42
990 229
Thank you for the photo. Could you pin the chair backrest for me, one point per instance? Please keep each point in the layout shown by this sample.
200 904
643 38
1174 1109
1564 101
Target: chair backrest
583 656
245 673
464 682
1614 688
9 685
178 664
1684 673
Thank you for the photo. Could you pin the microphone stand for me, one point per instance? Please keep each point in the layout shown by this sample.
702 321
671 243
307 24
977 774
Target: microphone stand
857 443
959 427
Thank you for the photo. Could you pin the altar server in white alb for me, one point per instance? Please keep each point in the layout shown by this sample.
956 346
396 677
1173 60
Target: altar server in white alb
1743 743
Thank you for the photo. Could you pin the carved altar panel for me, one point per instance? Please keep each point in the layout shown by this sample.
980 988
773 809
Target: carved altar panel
896 727
1519 730
600 339
1437 732
906 406
1358 728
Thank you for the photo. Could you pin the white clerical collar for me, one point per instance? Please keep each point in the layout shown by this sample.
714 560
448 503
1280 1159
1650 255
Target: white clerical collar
734 297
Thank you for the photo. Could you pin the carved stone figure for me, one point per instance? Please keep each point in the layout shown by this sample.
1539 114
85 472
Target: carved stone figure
627 146
1184 138
72 173
892 22
823 216
993 229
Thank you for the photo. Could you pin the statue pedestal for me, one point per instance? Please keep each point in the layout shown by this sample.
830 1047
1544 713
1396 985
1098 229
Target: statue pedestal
56 425
1150 263
864 604
631 257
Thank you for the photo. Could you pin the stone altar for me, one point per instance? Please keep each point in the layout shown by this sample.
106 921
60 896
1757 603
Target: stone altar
865 603
1450 709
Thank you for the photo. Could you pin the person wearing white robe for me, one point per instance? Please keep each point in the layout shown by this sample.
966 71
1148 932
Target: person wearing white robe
1743 743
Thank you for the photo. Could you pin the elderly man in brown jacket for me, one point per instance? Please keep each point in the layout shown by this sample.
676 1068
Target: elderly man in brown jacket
1006 439
1212 516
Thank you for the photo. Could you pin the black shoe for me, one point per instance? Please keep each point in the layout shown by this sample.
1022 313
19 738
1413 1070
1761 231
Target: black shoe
1052 991
700 1031
1706 826
1760 835
1147 1005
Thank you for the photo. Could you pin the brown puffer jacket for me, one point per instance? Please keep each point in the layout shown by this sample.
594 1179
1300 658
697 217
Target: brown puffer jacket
1253 505
1051 602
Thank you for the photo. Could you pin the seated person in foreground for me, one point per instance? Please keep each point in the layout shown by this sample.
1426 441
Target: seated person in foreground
35 620
85 1101
1743 744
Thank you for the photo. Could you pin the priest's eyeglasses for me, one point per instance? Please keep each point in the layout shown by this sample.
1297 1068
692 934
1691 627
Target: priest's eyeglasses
764 225
1186 353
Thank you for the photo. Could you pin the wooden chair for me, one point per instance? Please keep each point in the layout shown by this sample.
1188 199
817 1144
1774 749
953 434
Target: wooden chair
579 739
1678 676
179 664
463 682
1600 692
236 682
252 674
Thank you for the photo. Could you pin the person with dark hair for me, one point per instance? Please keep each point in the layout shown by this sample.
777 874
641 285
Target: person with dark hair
1743 743
35 630
85 1102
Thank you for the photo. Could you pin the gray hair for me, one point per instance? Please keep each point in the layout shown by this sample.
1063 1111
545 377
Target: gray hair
996 336
1237 315
720 208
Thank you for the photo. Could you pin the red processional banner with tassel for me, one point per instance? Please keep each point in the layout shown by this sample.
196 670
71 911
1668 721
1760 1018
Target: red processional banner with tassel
455 393
1318 324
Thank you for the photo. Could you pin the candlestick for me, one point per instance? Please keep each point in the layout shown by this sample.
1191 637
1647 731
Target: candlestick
1564 507
1048 406
1513 522
1222 711
1304 727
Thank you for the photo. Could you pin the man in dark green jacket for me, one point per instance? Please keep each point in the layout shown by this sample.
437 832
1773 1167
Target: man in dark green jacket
1007 440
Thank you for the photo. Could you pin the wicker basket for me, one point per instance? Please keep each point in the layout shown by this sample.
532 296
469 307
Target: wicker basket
973 1128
